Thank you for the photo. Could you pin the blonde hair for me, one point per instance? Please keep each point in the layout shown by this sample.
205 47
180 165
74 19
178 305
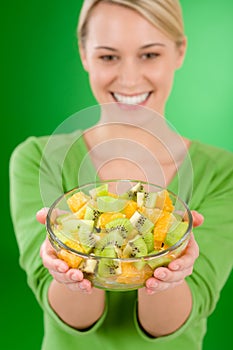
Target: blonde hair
165 15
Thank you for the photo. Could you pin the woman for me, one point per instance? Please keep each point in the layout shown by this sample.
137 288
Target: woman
131 51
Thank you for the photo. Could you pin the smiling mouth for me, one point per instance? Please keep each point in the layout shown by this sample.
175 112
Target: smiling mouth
131 100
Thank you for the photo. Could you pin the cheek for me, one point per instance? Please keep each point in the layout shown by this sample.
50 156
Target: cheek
168 73
99 77
162 78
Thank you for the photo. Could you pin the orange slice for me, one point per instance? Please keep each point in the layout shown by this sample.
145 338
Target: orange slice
107 217
71 259
130 274
130 208
114 195
76 201
161 228
164 201
81 212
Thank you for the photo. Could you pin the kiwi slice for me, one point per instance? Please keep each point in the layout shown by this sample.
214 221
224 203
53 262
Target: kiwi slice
135 248
158 261
71 224
123 225
80 230
132 192
101 190
149 240
109 252
108 267
176 234
112 239
91 213
110 204
87 239
147 199
141 223
60 218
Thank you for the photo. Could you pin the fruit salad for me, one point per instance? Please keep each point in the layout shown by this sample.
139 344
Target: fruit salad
118 234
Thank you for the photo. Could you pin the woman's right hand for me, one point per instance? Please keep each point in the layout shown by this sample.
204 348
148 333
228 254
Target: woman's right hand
72 278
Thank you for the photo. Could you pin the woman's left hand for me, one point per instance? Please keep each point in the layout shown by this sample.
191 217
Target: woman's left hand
177 270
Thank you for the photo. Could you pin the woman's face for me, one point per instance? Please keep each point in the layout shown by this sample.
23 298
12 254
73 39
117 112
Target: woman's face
129 61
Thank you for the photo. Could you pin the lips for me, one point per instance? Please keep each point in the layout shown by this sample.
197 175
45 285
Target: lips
131 100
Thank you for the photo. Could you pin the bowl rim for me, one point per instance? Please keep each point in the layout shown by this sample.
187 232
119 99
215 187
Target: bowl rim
53 237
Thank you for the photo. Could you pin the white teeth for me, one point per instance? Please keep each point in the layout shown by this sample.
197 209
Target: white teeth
131 100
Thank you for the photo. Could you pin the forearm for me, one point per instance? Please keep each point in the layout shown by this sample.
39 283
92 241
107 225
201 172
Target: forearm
164 312
77 309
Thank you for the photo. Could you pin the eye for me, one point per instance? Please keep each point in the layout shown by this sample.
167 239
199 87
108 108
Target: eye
150 55
108 58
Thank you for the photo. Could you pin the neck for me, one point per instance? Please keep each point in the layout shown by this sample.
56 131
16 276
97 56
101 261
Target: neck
155 136
119 146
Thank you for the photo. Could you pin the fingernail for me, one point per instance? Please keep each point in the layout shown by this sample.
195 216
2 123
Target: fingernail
175 267
74 277
62 268
161 275
153 284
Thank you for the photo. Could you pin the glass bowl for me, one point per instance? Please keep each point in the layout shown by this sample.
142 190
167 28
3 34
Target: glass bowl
117 232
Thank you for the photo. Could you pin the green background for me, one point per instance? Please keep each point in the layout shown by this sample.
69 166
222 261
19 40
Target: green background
43 83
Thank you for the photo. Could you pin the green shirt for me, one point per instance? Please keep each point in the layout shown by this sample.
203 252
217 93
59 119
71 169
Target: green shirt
43 168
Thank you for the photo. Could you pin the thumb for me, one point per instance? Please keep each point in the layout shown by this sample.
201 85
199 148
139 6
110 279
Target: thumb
41 215
198 218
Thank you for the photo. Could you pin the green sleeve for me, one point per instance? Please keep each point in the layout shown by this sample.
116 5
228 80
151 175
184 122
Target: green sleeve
212 196
27 196
25 199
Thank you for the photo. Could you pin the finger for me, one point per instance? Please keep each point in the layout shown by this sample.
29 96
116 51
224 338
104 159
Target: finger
198 218
188 258
84 286
155 286
181 267
41 215
50 259
69 277
74 275
164 274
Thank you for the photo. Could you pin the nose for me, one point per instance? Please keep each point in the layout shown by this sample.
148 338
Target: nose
129 73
